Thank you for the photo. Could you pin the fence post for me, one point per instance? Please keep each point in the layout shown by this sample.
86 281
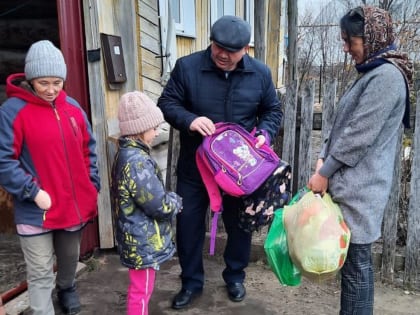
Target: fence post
328 107
305 137
172 159
412 250
289 136
389 233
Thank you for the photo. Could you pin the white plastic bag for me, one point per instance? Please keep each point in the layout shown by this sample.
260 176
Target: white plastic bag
317 236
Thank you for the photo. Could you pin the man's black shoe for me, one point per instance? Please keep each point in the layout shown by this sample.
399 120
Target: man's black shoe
236 291
184 298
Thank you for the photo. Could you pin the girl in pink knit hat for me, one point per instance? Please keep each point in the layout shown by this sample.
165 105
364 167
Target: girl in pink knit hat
144 210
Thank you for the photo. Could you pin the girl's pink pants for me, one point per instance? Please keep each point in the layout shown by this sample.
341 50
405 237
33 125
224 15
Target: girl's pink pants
140 290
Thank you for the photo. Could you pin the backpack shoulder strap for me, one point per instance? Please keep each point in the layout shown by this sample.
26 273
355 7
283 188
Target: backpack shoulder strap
214 193
213 190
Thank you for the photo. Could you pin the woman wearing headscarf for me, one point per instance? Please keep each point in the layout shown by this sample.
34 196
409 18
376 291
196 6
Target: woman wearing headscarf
357 159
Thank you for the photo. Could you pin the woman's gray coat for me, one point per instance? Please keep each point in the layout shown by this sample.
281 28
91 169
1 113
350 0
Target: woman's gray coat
359 155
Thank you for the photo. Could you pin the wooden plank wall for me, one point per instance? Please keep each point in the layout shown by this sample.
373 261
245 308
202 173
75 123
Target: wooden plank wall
115 18
96 75
150 48
274 54
412 262
186 46
305 134
141 45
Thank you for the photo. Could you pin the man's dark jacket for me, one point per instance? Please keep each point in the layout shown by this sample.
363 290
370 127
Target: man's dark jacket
197 87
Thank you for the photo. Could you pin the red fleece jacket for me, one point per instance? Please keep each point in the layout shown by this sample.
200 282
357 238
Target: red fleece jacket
50 147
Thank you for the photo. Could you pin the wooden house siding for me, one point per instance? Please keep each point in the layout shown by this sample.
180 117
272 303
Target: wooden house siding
273 42
274 53
137 22
150 48
149 52
202 9
113 17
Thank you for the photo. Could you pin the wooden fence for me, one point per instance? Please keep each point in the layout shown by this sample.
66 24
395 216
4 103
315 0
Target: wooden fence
299 145
297 148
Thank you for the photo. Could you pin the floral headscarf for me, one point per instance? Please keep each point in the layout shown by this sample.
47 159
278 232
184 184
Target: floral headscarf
379 48
379 32
379 41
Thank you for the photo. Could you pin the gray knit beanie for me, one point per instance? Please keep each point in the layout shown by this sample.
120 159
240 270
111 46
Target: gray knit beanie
44 60
137 113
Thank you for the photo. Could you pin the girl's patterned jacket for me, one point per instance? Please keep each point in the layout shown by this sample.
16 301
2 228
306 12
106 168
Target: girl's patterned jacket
144 210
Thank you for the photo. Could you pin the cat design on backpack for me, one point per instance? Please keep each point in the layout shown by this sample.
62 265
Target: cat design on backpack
228 161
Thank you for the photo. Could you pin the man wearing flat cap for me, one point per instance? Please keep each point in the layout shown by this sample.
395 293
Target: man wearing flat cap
219 84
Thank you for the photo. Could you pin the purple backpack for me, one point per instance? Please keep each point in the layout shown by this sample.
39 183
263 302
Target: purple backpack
229 162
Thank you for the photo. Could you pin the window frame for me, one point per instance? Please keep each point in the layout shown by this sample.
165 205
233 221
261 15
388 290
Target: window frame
249 17
184 27
228 9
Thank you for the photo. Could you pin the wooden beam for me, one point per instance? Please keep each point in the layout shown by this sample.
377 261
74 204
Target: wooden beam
292 14
99 124
273 54
305 136
260 29
412 252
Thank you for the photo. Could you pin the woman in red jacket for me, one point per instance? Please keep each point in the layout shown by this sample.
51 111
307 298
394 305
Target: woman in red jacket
48 164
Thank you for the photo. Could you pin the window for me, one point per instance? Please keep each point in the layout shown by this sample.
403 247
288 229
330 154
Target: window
183 12
218 8
176 11
249 16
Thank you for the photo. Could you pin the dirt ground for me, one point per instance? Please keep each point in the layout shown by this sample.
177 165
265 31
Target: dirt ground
12 264
102 286
103 283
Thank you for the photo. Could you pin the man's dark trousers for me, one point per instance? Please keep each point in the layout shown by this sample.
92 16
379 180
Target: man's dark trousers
191 230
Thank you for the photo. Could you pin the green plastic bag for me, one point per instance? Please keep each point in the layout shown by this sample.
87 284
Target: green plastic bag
276 249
